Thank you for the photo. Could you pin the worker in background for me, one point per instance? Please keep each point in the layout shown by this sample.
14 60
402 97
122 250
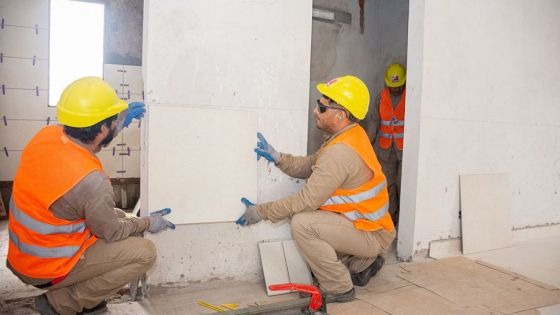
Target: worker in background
340 219
387 131
66 236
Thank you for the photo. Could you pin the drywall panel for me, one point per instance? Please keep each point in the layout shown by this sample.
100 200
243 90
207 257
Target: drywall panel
241 57
484 104
207 155
485 212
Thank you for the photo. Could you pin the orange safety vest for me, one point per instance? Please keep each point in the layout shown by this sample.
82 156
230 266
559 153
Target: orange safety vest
367 205
392 121
41 245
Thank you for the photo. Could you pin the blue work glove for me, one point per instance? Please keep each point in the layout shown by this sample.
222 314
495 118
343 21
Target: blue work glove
158 223
265 150
250 216
136 110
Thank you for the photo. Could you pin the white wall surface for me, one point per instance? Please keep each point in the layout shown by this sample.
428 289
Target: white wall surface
482 98
224 56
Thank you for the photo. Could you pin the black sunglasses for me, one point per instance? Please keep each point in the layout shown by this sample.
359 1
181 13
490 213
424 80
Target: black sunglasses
323 108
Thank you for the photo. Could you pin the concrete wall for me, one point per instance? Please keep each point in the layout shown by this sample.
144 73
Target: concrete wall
123 32
24 77
482 98
341 49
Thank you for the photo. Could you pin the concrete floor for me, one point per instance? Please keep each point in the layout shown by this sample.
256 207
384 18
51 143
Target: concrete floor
522 280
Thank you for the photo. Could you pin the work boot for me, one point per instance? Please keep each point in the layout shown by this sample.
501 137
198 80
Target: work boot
97 309
344 297
43 306
362 278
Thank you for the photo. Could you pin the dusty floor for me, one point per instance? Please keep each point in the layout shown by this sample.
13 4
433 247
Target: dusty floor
522 280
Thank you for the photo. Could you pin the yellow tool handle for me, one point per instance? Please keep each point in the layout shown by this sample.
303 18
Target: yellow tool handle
210 306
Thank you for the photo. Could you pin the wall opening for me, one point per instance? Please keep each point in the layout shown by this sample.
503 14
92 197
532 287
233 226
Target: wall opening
75 43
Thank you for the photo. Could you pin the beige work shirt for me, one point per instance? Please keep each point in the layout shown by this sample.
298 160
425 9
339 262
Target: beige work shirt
91 199
327 170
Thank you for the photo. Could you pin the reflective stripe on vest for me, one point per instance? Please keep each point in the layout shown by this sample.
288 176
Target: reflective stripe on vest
43 228
395 122
355 215
43 252
389 136
357 198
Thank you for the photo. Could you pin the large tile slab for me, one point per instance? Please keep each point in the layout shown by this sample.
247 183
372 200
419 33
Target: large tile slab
537 259
419 301
485 212
467 283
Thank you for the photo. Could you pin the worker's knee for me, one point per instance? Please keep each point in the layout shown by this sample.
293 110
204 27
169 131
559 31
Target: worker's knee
146 252
300 224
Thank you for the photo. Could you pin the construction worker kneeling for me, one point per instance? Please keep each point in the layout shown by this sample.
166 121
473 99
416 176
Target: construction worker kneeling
66 236
340 219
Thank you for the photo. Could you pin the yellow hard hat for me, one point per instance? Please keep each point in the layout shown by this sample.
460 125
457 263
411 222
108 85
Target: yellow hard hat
87 101
349 92
395 75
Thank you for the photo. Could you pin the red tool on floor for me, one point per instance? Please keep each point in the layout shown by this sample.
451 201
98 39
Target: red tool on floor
313 305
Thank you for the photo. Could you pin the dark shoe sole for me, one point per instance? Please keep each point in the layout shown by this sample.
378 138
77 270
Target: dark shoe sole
362 278
340 297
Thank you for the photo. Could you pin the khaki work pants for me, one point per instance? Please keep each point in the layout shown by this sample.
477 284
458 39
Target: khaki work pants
392 168
333 248
103 270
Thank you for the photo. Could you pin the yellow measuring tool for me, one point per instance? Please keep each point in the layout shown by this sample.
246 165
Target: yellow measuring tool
216 308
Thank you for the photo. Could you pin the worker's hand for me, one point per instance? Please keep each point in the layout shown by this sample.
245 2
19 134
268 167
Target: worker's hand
136 110
265 150
158 222
250 216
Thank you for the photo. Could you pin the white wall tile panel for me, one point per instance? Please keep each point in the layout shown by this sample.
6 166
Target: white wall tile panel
25 104
8 164
25 12
131 163
191 163
113 74
112 164
29 43
17 133
22 73
131 136
133 81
